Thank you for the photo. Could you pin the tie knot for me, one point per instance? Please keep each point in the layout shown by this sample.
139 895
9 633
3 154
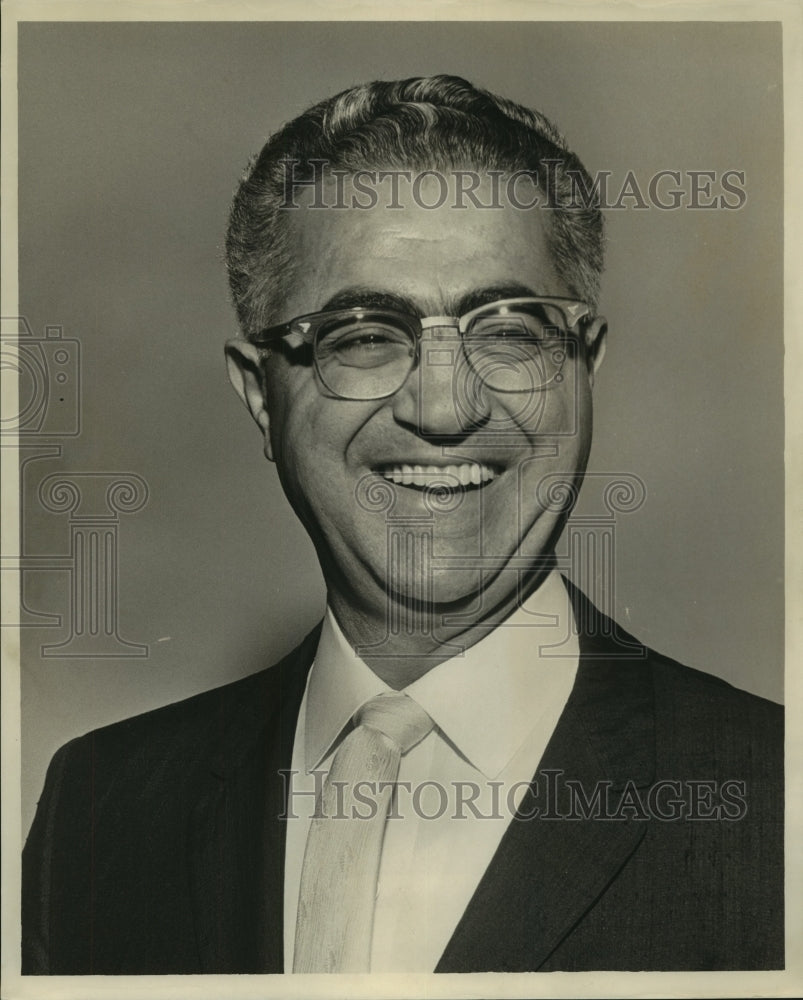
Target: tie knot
398 717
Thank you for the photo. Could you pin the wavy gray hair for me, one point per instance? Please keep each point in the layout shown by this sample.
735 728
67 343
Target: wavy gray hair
427 123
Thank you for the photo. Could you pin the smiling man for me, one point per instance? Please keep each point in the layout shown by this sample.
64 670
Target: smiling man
466 767
433 333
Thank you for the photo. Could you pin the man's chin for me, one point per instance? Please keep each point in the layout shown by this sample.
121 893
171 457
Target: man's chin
441 591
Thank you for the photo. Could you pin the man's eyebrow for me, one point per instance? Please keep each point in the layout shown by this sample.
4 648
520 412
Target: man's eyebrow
370 298
491 293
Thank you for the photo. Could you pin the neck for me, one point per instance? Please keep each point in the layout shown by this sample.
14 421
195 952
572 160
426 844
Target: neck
403 640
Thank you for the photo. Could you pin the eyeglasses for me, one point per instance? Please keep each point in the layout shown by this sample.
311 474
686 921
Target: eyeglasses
515 345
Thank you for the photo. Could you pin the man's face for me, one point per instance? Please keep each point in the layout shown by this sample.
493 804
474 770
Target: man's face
349 467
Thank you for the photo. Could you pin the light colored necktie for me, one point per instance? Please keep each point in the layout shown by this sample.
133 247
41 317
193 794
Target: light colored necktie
341 861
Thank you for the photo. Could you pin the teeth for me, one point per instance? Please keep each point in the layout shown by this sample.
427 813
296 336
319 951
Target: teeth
466 474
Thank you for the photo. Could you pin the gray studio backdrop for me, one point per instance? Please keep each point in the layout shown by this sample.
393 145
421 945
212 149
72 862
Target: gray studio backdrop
132 138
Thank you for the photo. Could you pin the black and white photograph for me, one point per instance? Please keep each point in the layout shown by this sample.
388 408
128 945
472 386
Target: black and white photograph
397 536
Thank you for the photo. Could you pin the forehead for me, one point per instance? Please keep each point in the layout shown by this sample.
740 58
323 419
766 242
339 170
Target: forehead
409 244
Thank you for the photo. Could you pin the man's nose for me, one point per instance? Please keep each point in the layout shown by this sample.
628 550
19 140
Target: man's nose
442 397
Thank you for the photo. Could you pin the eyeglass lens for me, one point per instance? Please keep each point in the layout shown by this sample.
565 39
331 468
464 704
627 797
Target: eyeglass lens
371 356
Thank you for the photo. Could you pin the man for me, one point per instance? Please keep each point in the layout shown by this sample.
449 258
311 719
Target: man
466 767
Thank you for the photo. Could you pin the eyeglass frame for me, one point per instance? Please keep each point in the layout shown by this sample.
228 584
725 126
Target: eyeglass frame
574 311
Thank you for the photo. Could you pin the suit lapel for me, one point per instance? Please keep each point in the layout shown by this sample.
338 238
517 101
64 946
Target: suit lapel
541 880
236 839
547 873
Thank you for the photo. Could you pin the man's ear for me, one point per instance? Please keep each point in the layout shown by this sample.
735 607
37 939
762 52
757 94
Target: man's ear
595 336
243 361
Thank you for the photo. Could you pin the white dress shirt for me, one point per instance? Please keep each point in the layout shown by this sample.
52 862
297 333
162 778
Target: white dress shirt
495 708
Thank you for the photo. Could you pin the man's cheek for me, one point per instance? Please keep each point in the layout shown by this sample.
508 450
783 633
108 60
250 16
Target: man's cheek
548 479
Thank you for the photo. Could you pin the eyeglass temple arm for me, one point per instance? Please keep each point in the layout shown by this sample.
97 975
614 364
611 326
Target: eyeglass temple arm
288 332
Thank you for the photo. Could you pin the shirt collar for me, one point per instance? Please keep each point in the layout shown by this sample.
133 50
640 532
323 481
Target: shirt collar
485 701
339 683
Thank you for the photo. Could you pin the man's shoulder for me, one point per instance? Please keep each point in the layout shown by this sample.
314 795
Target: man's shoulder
704 719
689 694
180 735
694 719
702 688
695 694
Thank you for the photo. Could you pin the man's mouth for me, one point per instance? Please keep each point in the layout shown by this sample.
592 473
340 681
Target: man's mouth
465 474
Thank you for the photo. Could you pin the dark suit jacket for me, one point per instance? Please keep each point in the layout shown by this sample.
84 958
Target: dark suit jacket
157 846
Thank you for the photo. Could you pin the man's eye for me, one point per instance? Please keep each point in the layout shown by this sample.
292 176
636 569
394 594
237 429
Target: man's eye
363 346
361 338
528 327
508 328
365 340
505 331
